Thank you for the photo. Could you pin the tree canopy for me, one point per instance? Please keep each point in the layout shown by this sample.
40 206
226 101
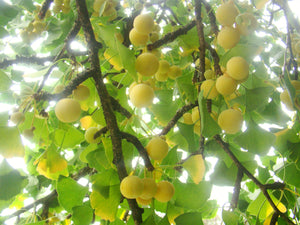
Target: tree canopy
130 112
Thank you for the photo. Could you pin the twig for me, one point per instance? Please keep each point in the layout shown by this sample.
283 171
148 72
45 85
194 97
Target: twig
100 132
216 59
171 36
176 117
135 141
237 189
26 60
212 17
44 9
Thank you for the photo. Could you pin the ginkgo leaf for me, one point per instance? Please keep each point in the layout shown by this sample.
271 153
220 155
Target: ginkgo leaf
10 142
195 167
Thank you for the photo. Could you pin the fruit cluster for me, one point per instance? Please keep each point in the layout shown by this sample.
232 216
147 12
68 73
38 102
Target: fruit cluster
33 30
143 190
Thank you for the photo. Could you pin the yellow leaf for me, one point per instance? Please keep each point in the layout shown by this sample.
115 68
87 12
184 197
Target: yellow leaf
195 167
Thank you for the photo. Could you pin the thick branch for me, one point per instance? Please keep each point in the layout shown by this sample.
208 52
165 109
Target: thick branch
200 32
262 187
237 189
171 36
176 117
106 104
25 59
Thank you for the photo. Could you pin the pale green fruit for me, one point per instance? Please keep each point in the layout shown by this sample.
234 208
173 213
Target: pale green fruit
137 38
144 23
164 66
231 121
17 117
238 68
131 187
157 148
209 74
81 92
90 133
141 95
67 110
174 72
147 64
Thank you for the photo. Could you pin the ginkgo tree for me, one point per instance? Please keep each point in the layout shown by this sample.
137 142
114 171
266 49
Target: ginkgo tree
129 112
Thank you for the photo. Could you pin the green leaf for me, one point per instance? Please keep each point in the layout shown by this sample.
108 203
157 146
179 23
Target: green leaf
164 111
86 151
209 127
82 215
229 218
253 95
187 131
27 4
5 81
7 13
68 138
98 117
190 195
149 221
189 219
255 139
104 180
10 142
70 193
288 174
97 159
11 182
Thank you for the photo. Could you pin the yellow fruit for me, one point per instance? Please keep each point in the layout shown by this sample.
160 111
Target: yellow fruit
81 92
150 188
154 36
89 135
228 37
161 76
17 118
165 191
131 187
238 68
195 167
226 13
196 116
246 23
141 95
209 89
67 110
187 118
143 23
209 74
231 121
137 38
157 148
147 64
226 85
143 202
174 72
164 66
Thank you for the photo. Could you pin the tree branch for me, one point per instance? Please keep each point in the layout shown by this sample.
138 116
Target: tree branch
237 189
212 17
44 9
176 117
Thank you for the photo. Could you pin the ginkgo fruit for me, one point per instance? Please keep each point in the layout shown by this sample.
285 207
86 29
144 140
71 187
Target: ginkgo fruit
164 66
147 64
131 187
67 110
226 85
157 148
137 38
17 117
209 74
238 68
143 202
174 72
209 89
231 121
165 191
154 36
226 13
90 133
195 167
228 37
161 76
81 93
187 118
150 188
246 23
141 95
144 23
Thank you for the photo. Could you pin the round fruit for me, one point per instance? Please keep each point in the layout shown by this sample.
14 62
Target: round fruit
165 191
17 118
209 89
226 13
246 23
226 85
161 76
154 36
137 38
81 92
187 118
131 187
209 74
174 72
164 66
90 133
238 68
28 133
143 23
228 37
143 202
141 95
231 121
150 188
147 64
195 167
196 116
67 110
157 148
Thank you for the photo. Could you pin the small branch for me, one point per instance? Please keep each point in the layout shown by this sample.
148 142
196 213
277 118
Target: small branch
274 218
119 108
237 189
44 9
171 36
216 59
26 60
275 186
212 17
100 132
135 141
176 117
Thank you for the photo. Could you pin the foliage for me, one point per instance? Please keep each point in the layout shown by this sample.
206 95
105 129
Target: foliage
48 48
